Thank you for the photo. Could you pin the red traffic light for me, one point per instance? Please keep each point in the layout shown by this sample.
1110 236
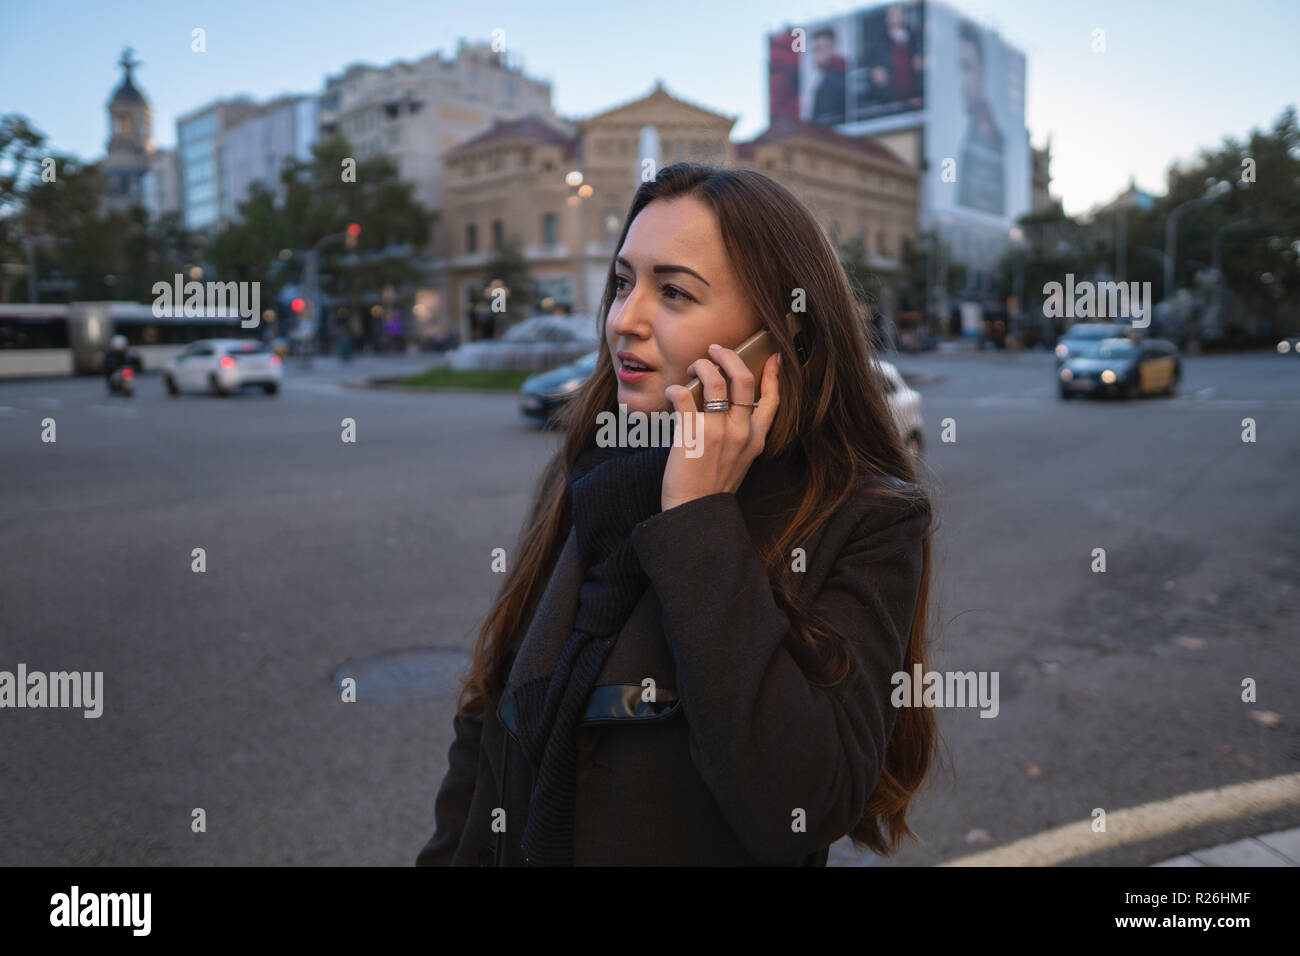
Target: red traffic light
354 230
298 305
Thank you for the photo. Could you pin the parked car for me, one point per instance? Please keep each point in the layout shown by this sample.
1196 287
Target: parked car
1080 332
905 403
538 343
1120 366
552 328
542 395
222 366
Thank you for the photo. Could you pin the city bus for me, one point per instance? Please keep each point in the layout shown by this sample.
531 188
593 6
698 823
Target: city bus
71 338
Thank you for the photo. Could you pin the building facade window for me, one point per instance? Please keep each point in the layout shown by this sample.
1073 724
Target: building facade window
471 237
611 222
550 229
498 234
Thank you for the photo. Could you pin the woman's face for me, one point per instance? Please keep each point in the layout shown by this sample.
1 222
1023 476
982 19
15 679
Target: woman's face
676 294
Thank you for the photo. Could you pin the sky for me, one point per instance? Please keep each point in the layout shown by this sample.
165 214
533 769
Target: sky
1177 76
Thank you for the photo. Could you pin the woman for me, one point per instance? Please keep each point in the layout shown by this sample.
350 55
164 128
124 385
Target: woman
690 659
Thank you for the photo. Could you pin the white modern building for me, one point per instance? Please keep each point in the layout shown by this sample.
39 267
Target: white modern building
257 147
162 183
201 147
414 113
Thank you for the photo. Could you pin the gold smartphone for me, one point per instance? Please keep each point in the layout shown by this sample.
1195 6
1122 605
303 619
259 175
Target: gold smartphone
754 352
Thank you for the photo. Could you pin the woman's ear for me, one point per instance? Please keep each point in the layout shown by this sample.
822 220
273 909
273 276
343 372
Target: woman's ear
802 343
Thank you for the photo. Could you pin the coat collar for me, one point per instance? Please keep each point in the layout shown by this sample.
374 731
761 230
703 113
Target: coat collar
769 493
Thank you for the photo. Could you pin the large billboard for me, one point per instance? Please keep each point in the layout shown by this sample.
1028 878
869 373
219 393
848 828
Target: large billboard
925 70
850 68
977 144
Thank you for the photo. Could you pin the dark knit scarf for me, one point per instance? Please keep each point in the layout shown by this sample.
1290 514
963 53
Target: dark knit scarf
613 490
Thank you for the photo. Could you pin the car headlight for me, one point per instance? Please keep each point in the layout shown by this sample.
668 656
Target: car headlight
1108 377
1283 347
1062 351
1066 375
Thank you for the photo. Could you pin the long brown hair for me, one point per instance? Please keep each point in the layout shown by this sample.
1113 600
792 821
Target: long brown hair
833 418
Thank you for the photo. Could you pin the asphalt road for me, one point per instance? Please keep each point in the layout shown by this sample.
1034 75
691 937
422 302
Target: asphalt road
372 559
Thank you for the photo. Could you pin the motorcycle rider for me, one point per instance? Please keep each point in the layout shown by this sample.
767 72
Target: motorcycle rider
118 357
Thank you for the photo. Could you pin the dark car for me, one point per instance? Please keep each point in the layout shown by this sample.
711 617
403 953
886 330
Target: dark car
1120 366
1082 332
544 393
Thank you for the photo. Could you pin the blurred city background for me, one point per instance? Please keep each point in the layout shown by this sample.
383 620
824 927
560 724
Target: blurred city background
428 225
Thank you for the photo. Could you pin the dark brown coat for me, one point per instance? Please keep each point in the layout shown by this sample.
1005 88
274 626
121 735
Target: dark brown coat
737 741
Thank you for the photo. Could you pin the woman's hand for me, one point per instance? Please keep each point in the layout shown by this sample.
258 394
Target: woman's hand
728 441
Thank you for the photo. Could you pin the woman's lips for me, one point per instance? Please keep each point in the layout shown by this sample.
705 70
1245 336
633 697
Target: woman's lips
629 376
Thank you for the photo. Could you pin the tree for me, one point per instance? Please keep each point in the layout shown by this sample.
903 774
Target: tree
862 278
508 270
320 198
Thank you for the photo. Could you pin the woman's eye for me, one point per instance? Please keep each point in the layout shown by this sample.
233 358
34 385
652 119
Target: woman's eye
677 295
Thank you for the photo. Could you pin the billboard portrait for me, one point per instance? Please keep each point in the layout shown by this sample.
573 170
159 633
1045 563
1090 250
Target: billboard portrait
977 110
983 183
849 68
889 75
823 73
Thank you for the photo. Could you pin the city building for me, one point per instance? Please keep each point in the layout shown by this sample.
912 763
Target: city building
201 148
945 94
514 182
562 190
257 146
162 183
130 142
415 112
856 187
1105 225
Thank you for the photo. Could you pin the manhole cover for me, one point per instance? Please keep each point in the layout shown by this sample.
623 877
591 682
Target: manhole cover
412 673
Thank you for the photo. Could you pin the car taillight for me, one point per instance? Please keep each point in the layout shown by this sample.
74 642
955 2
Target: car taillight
128 373
275 360
228 361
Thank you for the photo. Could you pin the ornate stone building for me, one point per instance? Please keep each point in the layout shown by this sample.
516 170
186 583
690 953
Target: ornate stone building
562 190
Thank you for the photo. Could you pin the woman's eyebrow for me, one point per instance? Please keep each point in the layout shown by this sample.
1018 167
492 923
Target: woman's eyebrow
666 268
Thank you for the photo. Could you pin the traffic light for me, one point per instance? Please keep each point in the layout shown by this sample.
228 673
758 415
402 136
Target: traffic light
354 233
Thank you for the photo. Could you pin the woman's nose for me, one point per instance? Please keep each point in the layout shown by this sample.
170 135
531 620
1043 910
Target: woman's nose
635 318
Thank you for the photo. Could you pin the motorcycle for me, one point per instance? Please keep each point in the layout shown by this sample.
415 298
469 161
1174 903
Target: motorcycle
122 382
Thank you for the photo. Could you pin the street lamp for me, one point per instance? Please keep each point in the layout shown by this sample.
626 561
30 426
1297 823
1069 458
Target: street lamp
1018 241
1216 244
1171 229
312 273
583 191
33 296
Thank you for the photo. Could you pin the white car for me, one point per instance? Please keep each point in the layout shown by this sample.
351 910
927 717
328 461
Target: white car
905 403
222 366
